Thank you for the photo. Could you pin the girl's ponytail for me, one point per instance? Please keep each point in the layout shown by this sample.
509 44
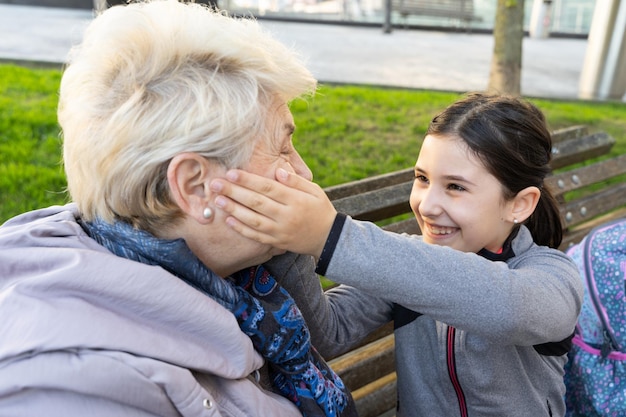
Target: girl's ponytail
545 223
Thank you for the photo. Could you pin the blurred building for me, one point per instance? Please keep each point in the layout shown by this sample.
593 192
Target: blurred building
566 17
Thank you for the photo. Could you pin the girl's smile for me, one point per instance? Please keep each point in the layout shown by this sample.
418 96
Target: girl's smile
439 232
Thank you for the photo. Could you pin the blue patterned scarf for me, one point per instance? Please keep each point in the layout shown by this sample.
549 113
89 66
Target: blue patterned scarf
264 310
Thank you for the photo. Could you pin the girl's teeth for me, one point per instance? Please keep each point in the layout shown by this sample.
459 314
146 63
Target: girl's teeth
440 230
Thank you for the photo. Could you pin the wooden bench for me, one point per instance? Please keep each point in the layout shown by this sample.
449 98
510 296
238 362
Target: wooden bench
590 186
463 10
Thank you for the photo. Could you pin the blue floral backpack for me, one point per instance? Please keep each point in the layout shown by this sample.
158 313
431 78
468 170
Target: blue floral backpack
595 374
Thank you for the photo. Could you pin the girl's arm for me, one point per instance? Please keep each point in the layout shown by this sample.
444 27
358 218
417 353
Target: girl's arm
338 318
534 298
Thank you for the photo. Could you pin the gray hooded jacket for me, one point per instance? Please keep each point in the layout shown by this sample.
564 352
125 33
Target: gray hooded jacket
468 330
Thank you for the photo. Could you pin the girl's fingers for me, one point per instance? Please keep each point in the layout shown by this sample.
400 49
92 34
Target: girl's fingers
249 223
289 213
244 215
252 233
280 190
297 182
243 202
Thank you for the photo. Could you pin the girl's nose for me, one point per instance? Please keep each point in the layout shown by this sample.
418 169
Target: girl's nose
429 203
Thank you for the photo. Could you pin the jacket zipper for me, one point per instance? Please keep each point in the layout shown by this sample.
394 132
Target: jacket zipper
452 371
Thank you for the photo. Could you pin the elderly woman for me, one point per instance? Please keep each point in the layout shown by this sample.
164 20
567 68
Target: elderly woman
136 299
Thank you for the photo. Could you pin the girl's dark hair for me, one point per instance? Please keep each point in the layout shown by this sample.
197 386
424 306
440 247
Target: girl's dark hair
510 136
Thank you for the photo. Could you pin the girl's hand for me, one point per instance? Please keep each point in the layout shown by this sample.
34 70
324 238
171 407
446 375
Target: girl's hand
292 213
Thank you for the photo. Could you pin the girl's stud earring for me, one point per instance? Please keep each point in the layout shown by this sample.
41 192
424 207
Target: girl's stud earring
515 221
207 213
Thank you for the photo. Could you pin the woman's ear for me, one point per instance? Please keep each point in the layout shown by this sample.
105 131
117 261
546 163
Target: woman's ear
188 176
524 203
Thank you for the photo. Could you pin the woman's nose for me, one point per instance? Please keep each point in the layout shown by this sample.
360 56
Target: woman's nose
300 167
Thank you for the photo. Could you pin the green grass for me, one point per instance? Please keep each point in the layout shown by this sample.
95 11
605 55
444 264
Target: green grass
30 171
344 133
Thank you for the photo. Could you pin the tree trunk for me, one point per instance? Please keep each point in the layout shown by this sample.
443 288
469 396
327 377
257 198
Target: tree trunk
506 63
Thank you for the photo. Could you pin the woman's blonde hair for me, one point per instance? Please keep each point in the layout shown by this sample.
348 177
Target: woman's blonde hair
154 79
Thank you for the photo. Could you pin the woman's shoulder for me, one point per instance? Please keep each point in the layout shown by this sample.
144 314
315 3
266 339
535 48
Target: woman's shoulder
51 213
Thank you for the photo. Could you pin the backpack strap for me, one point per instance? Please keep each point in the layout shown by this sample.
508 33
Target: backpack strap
610 343
580 342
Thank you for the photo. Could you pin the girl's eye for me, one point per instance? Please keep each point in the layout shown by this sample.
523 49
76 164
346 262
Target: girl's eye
455 187
421 178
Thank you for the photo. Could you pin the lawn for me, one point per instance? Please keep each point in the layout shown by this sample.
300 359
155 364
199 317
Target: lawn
343 133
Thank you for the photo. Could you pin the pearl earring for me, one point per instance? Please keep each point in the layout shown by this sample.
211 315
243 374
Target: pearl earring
515 221
207 213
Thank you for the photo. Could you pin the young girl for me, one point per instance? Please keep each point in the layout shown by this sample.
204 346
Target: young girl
484 305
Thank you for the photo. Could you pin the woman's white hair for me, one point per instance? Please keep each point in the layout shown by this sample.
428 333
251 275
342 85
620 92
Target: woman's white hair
154 79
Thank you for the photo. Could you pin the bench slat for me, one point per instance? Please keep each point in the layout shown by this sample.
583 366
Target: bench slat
378 397
409 226
587 175
458 9
340 191
366 363
592 205
567 133
378 204
581 149
576 234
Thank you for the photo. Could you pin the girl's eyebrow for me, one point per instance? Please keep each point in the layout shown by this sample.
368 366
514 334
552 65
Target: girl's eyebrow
458 178
453 178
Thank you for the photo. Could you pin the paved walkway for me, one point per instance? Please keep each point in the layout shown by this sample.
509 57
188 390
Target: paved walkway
336 53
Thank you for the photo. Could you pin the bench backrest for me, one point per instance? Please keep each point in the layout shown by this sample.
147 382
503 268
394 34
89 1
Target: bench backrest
460 9
385 196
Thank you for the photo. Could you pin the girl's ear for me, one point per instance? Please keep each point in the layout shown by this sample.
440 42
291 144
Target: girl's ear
524 203
188 176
